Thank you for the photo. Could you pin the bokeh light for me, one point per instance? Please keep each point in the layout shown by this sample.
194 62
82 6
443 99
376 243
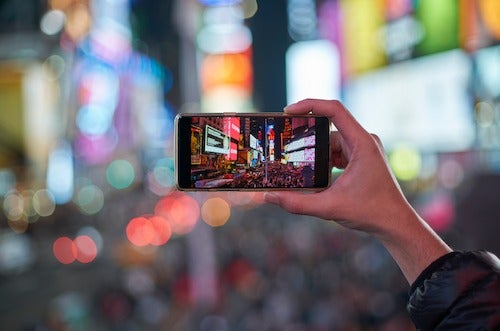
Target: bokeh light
52 22
148 230
163 231
93 233
64 250
405 162
13 206
215 211
86 249
90 199
120 174
161 180
181 210
44 203
7 181
140 231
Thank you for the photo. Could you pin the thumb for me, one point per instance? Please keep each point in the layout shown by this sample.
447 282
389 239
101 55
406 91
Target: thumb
293 202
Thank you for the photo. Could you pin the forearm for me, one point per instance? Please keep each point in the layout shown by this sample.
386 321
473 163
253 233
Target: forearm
412 243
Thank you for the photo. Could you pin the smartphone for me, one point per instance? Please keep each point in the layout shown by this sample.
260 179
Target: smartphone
252 151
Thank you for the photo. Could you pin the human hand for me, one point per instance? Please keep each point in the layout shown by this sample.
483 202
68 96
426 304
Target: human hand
362 195
366 196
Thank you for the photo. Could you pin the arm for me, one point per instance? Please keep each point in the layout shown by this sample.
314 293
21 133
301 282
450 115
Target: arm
366 196
463 290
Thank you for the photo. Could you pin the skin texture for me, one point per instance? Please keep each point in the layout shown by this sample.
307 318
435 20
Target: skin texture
366 196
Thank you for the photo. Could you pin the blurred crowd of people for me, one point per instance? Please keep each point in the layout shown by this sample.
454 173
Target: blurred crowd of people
278 175
273 271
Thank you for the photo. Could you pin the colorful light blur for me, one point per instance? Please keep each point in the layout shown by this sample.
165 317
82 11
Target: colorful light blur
225 70
86 249
181 210
82 249
44 202
406 162
312 79
90 199
148 230
439 212
120 174
215 211
161 180
64 250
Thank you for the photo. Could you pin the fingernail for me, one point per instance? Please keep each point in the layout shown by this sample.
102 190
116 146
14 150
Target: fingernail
271 197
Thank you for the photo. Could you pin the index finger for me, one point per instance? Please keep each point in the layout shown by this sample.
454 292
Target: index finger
347 125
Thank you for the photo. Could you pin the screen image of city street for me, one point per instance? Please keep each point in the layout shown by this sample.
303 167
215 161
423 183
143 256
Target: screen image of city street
252 152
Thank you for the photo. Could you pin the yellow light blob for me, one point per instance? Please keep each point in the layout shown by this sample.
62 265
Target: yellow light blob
215 212
406 162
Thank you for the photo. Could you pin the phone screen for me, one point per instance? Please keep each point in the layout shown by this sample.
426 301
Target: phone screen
252 151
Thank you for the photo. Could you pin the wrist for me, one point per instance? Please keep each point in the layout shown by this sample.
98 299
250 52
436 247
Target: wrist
410 240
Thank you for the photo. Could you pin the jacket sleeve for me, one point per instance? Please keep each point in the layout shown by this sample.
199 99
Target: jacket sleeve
459 291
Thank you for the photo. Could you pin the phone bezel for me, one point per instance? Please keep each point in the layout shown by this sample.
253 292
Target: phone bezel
183 152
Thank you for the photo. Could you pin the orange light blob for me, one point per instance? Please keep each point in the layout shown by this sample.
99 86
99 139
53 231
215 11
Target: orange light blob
64 250
162 229
227 69
215 212
181 210
86 249
140 231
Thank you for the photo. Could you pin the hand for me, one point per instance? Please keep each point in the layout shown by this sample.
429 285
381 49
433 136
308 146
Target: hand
366 189
366 196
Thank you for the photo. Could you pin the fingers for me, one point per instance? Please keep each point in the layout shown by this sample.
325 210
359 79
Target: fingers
293 202
339 115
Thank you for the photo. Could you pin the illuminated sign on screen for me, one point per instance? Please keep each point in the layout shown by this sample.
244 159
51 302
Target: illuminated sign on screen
232 127
216 141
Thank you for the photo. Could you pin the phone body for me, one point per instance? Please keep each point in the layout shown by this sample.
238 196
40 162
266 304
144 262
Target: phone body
252 151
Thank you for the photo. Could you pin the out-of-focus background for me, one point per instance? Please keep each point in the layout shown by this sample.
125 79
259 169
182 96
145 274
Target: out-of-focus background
93 234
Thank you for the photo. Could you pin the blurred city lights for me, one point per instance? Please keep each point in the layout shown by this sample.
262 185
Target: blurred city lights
90 199
406 162
44 202
90 113
140 231
249 7
181 210
438 211
312 79
219 2
7 181
86 249
82 249
56 64
93 233
226 69
215 211
161 180
485 114
78 21
163 231
224 38
60 173
64 250
120 174
52 22
13 206
16 253
450 174
302 20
